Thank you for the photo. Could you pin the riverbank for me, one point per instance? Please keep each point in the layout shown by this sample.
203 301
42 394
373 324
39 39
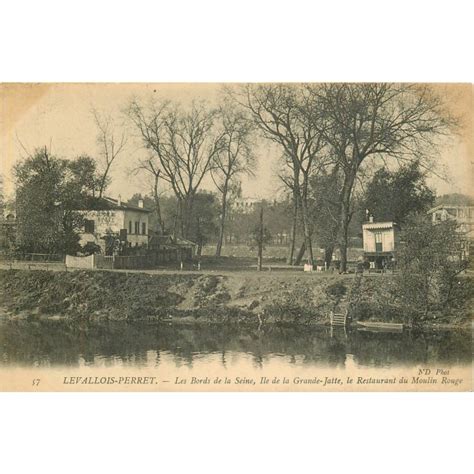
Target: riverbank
238 297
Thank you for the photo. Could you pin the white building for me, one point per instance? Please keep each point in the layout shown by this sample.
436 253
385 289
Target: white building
381 240
114 218
245 205
463 215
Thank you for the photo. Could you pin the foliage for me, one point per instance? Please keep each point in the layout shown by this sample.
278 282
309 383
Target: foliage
203 227
392 196
337 289
50 190
375 122
90 248
258 238
429 263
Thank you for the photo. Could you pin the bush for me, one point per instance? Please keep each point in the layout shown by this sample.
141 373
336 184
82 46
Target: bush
336 289
429 264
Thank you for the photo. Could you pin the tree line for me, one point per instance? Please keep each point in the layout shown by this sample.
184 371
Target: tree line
338 143
330 137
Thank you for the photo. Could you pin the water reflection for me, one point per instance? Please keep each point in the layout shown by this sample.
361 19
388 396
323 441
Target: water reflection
116 344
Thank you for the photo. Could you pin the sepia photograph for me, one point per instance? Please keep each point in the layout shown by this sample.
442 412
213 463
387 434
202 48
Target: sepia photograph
249 236
236 237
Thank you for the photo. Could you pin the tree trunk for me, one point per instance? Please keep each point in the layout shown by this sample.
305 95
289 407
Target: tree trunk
222 222
301 252
157 204
103 180
328 252
294 226
177 228
307 231
260 242
303 197
185 213
345 216
199 239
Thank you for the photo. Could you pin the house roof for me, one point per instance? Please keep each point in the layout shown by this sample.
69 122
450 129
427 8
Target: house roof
448 206
161 239
379 225
184 242
170 241
110 204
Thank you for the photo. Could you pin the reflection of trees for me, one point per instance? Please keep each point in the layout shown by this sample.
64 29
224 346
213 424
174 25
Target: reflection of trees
59 343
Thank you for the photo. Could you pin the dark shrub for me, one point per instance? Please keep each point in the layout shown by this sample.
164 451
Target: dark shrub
336 289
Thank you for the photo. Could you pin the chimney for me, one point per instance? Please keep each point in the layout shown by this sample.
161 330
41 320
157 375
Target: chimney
371 218
140 203
119 200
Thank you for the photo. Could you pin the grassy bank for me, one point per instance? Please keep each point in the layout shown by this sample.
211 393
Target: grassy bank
240 297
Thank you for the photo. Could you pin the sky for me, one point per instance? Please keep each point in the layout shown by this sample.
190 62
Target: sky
59 116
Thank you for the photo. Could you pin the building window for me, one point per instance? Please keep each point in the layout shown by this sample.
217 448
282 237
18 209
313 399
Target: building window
89 226
378 242
137 227
129 227
144 228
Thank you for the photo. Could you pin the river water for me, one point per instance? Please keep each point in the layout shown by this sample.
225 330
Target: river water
122 344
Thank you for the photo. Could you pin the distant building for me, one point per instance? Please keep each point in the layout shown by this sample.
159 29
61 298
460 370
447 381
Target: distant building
381 241
172 249
7 231
112 219
245 205
464 216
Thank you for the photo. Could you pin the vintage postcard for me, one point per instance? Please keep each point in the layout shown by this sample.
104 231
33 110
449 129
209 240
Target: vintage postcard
236 237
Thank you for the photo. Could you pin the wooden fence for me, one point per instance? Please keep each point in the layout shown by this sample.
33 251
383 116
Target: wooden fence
136 262
32 257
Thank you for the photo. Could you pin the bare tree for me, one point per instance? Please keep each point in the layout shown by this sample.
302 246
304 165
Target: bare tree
184 142
151 166
281 113
400 121
234 158
287 177
110 143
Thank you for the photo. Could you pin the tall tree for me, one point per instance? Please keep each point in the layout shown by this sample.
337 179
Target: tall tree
185 142
152 168
111 144
287 177
324 204
381 121
393 196
203 226
282 115
49 192
234 158
38 193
